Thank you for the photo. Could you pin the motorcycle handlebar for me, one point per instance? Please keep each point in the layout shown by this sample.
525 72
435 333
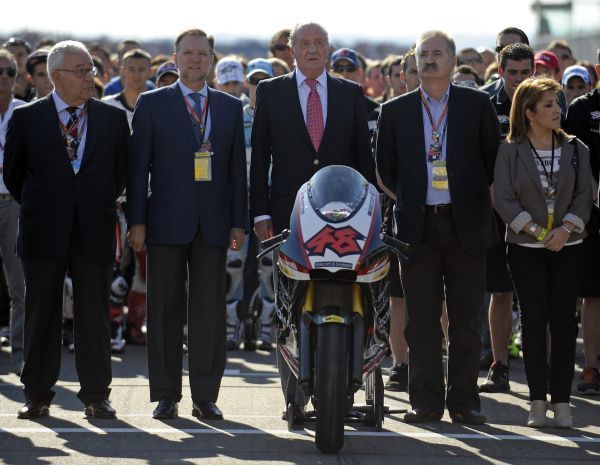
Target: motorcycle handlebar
399 247
268 245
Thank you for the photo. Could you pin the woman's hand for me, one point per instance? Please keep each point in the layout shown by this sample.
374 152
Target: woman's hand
556 239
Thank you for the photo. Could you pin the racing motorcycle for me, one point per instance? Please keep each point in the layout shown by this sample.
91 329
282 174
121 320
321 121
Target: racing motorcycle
332 299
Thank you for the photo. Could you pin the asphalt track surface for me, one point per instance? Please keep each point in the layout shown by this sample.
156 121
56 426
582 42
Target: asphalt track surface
254 433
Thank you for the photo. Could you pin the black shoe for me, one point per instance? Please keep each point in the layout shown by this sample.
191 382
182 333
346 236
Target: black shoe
207 410
33 409
421 415
299 414
398 380
469 417
166 409
497 380
100 409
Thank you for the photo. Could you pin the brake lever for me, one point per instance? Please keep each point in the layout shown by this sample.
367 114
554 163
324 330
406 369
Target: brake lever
399 248
272 243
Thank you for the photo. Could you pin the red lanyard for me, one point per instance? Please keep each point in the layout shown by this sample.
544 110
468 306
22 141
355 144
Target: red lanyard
434 128
199 124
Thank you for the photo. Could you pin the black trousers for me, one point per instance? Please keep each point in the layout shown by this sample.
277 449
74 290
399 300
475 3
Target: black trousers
442 263
168 267
547 284
44 281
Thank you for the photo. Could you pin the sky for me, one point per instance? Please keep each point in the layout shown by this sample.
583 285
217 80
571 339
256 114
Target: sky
467 20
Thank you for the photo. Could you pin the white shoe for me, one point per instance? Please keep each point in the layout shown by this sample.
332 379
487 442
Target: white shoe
562 415
537 414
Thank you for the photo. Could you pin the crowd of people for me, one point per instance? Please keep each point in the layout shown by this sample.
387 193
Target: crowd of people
131 185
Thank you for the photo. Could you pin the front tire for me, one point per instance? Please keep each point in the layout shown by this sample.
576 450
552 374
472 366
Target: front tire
331 386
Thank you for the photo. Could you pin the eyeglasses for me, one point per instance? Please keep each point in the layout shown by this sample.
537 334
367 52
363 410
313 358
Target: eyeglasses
344 68
10 72
280 47
82 72
253 81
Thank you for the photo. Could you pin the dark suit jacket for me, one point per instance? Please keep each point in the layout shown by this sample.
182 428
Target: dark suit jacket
280 137
473 139
163 146
38 174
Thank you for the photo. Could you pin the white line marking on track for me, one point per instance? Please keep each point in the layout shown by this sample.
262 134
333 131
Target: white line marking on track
236 432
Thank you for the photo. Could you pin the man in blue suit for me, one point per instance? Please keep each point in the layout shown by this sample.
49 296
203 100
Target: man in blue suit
188 144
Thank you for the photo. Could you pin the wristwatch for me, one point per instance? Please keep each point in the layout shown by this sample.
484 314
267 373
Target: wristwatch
532 229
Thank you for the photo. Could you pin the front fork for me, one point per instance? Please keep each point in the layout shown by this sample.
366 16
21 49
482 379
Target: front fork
331 315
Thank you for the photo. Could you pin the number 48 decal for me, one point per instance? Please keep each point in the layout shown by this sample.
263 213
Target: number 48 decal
343 241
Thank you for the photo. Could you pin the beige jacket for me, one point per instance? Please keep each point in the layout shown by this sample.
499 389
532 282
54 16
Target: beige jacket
519 196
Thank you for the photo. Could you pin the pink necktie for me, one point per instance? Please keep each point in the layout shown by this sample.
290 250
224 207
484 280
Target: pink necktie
314 115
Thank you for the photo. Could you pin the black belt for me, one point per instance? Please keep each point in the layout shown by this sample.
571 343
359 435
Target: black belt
440 209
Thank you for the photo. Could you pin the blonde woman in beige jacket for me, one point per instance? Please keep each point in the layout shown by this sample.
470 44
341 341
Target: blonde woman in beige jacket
543 192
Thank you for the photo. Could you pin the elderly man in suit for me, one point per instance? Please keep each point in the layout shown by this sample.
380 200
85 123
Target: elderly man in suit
188 141
304 120
64 162
436 148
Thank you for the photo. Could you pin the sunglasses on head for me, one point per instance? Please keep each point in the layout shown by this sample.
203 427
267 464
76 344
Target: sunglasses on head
10 72
344 68
280 47
253 81
15 42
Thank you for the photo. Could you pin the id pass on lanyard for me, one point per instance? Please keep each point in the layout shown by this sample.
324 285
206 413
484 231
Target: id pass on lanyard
548 183
72 137
203 156
434 154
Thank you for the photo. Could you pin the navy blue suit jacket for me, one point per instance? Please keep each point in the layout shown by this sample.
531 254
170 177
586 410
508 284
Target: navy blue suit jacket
162 147
38 174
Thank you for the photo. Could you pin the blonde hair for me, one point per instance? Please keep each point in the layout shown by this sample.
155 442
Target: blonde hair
526 97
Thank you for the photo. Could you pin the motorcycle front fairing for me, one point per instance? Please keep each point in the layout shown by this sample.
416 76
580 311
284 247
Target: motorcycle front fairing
334 229
335 236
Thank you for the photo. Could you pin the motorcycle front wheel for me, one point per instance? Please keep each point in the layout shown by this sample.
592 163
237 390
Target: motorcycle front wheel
331 386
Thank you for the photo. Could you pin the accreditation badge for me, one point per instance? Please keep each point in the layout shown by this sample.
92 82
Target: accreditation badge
550 224
202 166
435 153
440 175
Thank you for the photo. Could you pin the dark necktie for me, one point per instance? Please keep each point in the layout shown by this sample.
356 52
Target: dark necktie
314 114
197 98
71 140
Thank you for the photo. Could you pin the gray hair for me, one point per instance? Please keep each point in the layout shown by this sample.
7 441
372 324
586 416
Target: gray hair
296 29
56 56
438 34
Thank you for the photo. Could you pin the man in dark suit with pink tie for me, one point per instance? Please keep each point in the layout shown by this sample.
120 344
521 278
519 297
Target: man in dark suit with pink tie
304 120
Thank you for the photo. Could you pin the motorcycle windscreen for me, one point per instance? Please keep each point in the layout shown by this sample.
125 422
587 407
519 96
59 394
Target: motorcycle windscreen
336 192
